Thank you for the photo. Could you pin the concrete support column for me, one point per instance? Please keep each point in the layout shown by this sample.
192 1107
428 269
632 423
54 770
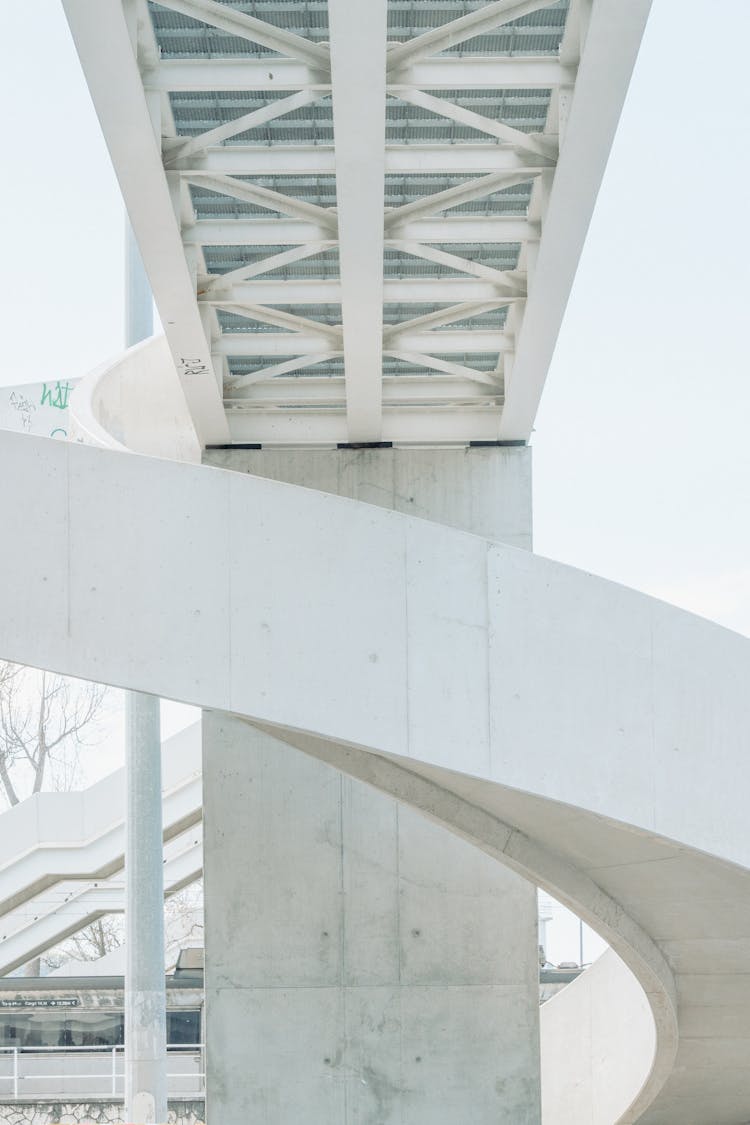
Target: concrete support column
364 966
145 995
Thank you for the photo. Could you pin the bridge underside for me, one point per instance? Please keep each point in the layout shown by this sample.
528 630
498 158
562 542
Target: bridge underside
361 223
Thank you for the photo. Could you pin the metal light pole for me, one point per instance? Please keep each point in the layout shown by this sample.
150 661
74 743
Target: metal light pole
145 995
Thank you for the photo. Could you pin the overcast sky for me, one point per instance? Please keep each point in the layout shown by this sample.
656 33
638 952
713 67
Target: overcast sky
641 451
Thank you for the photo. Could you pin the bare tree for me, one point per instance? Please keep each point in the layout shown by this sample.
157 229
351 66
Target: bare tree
183 926
45 719
89 944
183 921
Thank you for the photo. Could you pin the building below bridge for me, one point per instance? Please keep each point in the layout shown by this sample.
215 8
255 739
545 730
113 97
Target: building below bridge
61 1047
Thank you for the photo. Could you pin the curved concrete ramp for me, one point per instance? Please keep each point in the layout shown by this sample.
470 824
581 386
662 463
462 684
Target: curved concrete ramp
597 1042
590 737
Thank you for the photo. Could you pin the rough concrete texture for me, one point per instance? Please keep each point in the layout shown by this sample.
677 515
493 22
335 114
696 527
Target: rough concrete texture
89 1113
363 965
483 490
604 724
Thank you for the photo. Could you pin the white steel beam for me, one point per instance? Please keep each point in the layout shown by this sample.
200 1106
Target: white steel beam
448 290
443 107
320 160
402 425
574 35
450 34
445 73
209 75
296 232
507 281
277 318
178 150
406 390
434 203
223 281
358 35
470 228
248 27
114 81
284 368
313 343
260 231
452 342
456 369
612 42
444 316
141 32
259 344
477 72
265 197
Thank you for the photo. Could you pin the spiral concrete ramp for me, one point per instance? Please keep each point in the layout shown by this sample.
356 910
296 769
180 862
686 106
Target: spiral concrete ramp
589 737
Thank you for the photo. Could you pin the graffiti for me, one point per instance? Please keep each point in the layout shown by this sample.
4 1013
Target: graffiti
56 395
192 366
37 408
24 406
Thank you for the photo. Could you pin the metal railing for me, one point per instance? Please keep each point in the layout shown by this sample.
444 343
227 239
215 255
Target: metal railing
25 1072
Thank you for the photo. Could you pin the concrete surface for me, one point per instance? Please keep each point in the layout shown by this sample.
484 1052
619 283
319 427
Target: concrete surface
483 490
597 1045
584 734
135 403
410 955
362 964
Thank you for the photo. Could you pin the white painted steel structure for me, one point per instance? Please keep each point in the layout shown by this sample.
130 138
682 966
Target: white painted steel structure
63 853
360 221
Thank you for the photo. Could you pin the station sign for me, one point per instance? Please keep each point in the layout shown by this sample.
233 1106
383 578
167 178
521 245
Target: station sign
42 1002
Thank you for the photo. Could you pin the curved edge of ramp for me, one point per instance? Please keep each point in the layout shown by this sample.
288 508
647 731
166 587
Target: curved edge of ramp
648 979
598 1039
591 721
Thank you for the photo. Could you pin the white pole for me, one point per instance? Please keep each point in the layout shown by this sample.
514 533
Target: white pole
145 995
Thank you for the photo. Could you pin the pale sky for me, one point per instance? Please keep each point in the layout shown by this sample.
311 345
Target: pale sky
641 453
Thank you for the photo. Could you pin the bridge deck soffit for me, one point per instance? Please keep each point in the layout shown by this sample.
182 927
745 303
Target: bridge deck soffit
378 195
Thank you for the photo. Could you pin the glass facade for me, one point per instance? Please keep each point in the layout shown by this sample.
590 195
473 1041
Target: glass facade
91 1027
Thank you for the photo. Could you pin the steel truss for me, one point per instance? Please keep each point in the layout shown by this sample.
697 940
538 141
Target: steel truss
350 177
